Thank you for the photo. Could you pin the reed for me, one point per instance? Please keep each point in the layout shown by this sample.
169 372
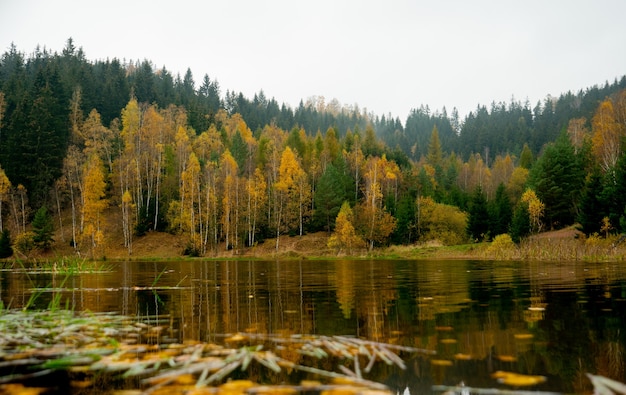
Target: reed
36 344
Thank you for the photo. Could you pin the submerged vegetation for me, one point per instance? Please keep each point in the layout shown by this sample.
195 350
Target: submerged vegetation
88 348
68 353
63 265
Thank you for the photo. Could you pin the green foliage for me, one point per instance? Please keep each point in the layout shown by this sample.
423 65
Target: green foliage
24 243
526 157
520 223
501 247
43 228
34 139
478 220
5 244
440 222
558 178
333 188
406 227
435 154
500 212
239 150
591 206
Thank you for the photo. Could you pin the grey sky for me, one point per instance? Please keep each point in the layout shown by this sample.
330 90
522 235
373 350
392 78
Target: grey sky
387 56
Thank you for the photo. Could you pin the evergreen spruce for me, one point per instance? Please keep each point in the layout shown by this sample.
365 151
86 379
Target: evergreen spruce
5 244
43 228
558 178
333 189
500 212
520 223
478 220
591 207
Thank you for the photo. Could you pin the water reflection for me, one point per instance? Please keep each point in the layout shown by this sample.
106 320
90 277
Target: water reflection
559 320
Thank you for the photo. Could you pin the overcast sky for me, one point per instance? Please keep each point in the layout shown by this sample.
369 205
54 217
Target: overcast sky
387 56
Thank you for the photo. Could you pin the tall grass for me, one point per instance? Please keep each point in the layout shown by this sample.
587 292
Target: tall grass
593 248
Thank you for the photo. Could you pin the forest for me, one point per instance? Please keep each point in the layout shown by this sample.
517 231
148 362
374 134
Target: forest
80 139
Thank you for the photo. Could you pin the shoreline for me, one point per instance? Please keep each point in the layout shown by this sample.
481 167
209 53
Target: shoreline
566 244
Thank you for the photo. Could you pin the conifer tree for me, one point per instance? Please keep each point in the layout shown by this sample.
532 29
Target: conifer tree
43 228
5 187
345 236
520 222
478 221
500 212
5 244
591 207
558 178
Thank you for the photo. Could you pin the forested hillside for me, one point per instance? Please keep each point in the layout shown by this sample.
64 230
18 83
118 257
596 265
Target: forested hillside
226 171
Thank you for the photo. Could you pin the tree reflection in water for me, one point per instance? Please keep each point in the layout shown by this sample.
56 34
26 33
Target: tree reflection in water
558 320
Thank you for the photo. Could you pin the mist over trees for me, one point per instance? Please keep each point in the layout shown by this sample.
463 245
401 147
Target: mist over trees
179 155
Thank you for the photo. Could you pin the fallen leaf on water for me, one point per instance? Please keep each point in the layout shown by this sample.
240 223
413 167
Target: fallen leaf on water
237 385
517 379
507 358
19 389
271 390
341 391
441 362
236 338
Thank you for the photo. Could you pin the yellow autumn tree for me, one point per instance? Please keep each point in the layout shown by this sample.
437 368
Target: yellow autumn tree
190 214
5 187
444 223
502 170
293 194
98 139
344 237
257 200
374 223
230 199
94 204
607 136
516 183
535 209
127 220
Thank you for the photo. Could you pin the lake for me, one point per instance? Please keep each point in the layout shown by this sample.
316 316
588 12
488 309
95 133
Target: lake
558 320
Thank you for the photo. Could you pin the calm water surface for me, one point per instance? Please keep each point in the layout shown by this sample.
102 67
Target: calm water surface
560 320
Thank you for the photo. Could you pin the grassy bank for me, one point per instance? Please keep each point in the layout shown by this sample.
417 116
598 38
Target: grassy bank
564 244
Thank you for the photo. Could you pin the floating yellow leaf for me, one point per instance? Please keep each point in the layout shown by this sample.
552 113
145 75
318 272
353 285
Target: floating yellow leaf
235 387
341 391
271 390
441 362
448 341
343 381
462 357
81 383
443 328
507 358
523 336
19 389
236 338
186 379
517 379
